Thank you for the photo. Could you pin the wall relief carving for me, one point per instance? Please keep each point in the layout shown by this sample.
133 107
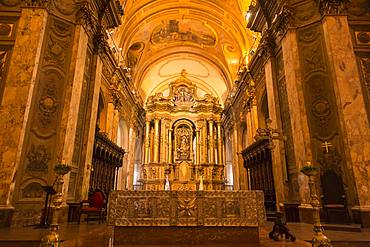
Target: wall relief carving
38 158
32 191
6 29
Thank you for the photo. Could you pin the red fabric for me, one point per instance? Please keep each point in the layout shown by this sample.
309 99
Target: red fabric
91 209
97 200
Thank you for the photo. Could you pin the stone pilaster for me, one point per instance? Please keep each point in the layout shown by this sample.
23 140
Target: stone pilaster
72 109
93 104
18 90
300 131
352 112
278 159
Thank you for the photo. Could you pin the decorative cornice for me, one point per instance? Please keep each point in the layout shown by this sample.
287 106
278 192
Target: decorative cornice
331 7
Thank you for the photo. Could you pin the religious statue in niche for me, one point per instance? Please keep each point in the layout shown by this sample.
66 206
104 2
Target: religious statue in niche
174 31
183 135
183 95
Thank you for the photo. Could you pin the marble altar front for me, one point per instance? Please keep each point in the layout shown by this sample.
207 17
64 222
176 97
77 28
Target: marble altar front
185 217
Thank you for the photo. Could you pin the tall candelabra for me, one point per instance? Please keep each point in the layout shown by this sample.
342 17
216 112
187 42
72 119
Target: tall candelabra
51 239
319 239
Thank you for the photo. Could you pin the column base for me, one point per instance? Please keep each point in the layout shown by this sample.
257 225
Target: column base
305 213
6 215
361 215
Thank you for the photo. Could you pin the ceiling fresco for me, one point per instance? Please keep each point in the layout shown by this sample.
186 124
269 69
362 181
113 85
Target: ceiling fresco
207 38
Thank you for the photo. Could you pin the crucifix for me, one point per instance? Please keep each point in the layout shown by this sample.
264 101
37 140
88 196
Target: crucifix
326 145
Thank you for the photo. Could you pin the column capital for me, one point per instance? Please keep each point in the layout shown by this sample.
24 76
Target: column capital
283 20
268 44
330 7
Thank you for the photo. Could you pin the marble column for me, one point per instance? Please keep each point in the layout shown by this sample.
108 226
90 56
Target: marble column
352 112
91 127
254 118
278 158
147 142
110 120
300 130
238 158
211 143
219 143
131 156
170 158
197 160
156 140
73 99
17 96
249 128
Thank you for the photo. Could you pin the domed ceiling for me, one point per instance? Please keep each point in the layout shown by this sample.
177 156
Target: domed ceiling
206 38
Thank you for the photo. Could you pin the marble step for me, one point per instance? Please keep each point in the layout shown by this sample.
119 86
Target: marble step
341 227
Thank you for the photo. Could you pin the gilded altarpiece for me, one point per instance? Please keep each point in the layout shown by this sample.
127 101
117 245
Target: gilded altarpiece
184 138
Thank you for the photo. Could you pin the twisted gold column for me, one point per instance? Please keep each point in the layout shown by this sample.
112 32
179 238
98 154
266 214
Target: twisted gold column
211 143
204 143
156 140
197 157
147 142
170 146
219 143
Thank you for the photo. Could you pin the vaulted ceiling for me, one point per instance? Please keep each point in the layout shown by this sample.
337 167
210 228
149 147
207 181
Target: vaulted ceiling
207 38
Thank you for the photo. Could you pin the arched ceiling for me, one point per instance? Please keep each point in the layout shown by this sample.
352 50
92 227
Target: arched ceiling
207 38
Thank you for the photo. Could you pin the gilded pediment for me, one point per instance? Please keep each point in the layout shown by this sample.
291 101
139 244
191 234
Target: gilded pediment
184 96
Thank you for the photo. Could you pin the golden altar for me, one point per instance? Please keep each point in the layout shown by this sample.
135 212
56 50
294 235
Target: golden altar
187 218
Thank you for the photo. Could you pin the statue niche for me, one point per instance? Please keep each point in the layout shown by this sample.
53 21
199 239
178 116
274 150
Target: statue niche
183 150
183 139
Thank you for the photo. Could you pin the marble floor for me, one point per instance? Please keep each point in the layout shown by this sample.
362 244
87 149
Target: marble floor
100 235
